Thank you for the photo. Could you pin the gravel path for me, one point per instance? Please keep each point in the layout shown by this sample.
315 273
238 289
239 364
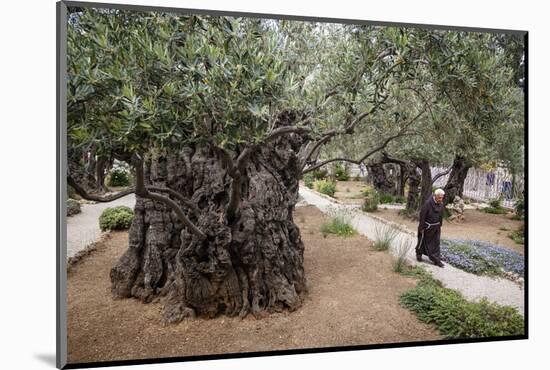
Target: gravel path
83 228
472 286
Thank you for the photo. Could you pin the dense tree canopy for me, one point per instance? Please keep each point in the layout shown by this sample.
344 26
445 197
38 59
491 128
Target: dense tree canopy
221 116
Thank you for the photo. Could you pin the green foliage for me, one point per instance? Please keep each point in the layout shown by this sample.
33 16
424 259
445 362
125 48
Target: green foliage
518 235
495 207
319 174
371 199
400 261
339 225
116 218
456 317
119 177
73 207
341 172
308 180
326 187
520 208
386 198
384 238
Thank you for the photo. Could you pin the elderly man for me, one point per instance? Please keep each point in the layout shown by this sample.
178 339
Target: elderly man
429 228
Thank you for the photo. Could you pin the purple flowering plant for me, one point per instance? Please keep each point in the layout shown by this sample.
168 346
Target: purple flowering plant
480 257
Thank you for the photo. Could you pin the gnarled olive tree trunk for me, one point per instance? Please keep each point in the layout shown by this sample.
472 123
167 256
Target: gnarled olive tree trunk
455 183
249 262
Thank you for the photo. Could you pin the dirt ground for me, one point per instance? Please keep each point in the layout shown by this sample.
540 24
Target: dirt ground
349 192
477 225
352 299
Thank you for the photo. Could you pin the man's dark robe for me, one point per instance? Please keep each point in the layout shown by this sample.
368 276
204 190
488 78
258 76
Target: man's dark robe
429 230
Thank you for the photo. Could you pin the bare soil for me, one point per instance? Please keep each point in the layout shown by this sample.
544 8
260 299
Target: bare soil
349 192
477 225
352 299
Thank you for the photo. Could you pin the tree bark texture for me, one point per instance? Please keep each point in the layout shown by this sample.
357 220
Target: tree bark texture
378 177
455 183
251 262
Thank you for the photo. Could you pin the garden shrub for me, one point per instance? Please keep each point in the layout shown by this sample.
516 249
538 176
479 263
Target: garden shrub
319 174
386 198
520 208
73 207
495 207
479 257
456 317
326 187
518 235
116 218
341 172
308 180
119 177
372 198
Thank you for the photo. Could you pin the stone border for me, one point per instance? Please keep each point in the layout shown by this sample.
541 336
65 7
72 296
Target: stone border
89 249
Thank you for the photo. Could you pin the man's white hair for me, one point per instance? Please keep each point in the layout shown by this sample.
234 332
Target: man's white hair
439 192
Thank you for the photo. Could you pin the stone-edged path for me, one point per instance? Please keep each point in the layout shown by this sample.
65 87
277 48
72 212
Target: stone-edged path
83 228
473 287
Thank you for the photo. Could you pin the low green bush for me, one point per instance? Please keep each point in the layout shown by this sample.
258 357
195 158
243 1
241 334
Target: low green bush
119 177
116 218
326 187
308 180
456 317
341 172
371 199
494 210
386 198
319 174
73 207
520 209
340 226
518 235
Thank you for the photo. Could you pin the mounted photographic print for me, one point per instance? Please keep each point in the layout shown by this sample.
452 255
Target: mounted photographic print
237 184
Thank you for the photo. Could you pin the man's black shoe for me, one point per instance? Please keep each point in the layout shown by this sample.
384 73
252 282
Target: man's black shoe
440 264
419 257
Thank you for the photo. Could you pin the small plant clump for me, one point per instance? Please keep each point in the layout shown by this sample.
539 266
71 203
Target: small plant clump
400 262
339 224
308 180
341 172
319 174
326 187
384 237
519 209
119 177
495 207
518 235
453 315
386 198
371 199
116 218
73 207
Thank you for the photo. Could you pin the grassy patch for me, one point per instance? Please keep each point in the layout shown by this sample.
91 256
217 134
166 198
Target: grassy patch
308 180
518 235
384 237
453 315
400 261
339 225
